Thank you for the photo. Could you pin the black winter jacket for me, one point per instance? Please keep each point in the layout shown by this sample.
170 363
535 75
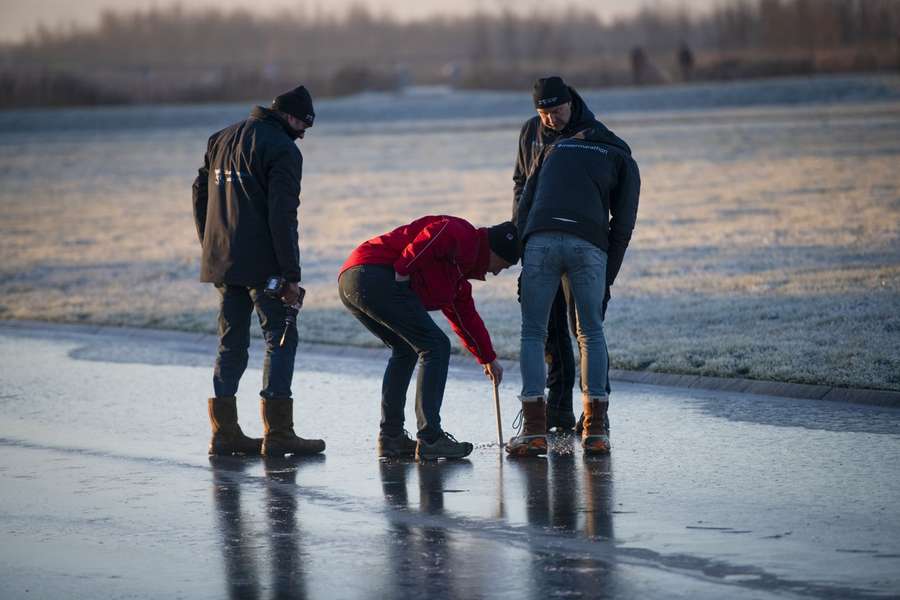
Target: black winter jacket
586 184
246 197
534 137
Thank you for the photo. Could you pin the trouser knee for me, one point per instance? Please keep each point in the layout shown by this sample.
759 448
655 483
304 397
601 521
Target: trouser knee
233 356
403 355
437 349
591 335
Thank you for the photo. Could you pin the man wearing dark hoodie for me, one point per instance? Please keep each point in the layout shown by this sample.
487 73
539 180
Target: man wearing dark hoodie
561 112
245 200
575 211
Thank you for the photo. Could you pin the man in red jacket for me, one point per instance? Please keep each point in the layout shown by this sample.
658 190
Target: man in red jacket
390 283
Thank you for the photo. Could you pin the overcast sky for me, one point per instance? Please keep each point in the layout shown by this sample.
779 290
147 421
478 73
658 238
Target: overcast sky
22 16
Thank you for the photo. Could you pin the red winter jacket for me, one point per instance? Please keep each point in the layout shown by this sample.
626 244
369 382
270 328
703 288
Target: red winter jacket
440 254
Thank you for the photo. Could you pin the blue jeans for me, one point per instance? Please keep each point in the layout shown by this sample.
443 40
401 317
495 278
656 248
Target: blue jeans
236 306
549 257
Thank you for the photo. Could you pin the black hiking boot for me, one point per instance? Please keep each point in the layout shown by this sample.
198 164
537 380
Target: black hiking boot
560 419
396 446
560 415
445 446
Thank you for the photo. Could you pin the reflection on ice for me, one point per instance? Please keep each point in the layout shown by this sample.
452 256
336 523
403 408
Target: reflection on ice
107 491
250 556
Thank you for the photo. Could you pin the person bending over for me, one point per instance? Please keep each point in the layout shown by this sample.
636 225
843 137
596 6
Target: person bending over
390 282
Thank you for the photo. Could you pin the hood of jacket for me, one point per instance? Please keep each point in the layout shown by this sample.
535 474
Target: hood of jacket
268 115
598 132
582 120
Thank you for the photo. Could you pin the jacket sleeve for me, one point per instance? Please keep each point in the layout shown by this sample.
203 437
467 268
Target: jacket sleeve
200 194
526 200
438 240
623 207
467 324
520 173
283 178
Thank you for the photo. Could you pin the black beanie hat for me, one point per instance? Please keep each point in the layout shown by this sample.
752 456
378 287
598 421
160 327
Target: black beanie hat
504 241
297 103
550 91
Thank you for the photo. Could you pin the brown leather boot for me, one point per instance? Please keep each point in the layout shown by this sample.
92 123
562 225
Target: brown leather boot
279 437
595 428
227 437
532 441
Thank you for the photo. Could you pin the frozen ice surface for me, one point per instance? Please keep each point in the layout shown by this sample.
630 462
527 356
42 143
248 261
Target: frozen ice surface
107 491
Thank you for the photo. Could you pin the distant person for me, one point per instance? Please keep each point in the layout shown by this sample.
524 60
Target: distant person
389 284
245 207
575 216
561 112
640 65
686 61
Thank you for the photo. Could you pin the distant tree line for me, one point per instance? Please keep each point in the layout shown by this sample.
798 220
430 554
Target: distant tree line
173 54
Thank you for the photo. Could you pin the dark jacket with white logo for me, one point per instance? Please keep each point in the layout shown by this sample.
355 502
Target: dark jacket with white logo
246 197
587 185
534 136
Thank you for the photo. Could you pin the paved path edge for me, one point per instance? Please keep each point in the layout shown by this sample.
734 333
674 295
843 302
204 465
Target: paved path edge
804 391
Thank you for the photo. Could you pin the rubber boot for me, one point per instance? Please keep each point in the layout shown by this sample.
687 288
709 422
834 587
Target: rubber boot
227 437
279 437
595 425
532 441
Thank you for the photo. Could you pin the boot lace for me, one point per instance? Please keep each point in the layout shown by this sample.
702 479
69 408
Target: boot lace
519 421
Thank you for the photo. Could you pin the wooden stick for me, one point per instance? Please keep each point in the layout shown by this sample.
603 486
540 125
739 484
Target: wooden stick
497 411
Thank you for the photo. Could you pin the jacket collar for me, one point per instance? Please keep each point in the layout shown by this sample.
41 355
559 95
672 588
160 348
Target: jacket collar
270 116
583 124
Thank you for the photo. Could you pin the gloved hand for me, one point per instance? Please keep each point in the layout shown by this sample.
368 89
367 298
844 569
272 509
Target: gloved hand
293 294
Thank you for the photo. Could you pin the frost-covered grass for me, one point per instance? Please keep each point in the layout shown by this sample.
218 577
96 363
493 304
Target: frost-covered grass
768 240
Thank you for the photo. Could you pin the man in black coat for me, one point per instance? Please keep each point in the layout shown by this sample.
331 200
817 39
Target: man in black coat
575 215
245 200
561 112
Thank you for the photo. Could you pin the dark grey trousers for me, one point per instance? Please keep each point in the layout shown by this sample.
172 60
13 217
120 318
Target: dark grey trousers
236 306
394 314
